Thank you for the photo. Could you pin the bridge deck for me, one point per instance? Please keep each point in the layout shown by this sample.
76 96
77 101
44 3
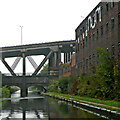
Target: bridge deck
36 49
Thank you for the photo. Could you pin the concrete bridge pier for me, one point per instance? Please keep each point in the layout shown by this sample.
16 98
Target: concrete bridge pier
24 91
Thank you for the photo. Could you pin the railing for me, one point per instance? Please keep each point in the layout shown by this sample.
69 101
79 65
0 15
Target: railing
51 73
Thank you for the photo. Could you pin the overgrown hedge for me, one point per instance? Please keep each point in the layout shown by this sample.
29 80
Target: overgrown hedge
104 83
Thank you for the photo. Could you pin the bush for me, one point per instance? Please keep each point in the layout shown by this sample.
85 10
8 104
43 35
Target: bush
53 87
63 84
4 92
104 83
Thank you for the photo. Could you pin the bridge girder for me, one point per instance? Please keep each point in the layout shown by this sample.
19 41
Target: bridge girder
52 52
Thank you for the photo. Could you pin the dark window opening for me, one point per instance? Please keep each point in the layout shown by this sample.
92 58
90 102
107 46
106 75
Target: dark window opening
112 23
83 62
89 24
93 36
101 30
97 33
86 26
90 59
97 59
86 41
78 47
83 29
107 49
119 18
86 63
97 16
93 59
93 20
101 12
80 31
119 49
107 7
107 27
113 51
83 43
81 65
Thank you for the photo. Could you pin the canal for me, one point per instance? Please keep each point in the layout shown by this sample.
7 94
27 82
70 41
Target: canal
36 107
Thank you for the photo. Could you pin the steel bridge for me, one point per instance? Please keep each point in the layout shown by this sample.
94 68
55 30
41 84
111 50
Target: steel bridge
52 52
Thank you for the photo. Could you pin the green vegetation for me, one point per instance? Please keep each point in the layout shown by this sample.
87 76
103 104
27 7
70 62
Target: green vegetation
66 64
4 92
13 89
45 69
36 89
102 84
112 105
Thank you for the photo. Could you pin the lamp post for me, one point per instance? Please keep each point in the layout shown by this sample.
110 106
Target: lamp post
21 33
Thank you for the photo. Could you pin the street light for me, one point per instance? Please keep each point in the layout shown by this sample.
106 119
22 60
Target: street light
21 34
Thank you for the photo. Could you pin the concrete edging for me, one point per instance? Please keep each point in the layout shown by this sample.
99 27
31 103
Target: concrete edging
105 111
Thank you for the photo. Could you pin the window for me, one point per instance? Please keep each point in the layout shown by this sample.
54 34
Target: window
101 30
119 18
113 51
83 29
93 20
89 37
101 12
86 41
89 24
112 23
93 57
107 49
97 59
83 43
83 62
112 4
97 16
90 59
107 7
81 65
97 33
107 27
86 63
93 36
119 49
80 31
86 26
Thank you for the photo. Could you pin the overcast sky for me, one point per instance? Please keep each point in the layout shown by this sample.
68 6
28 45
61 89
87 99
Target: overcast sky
42 20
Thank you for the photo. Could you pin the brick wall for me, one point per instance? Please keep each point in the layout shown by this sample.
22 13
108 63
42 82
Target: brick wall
100 28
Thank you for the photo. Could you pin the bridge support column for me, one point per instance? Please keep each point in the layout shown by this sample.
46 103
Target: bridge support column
68 56
24 65
24 91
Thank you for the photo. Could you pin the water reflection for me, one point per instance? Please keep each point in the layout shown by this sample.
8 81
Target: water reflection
36 107
24 108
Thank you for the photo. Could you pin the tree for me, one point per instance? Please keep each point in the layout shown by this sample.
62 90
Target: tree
117 80
63 84
104 72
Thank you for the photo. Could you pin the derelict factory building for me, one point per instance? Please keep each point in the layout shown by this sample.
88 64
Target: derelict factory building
101 28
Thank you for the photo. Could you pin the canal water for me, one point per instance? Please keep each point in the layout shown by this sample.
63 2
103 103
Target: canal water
36 107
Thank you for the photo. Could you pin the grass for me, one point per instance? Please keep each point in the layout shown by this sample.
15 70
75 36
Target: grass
109 104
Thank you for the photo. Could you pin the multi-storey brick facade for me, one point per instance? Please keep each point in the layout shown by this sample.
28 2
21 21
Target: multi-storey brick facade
101 28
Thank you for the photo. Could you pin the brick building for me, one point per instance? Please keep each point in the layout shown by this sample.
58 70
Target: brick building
68 69
101 28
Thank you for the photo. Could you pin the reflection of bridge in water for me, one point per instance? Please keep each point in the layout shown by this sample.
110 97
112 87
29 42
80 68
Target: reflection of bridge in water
25 108
52 52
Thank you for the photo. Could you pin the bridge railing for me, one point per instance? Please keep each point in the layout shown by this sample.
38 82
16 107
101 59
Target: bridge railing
50 73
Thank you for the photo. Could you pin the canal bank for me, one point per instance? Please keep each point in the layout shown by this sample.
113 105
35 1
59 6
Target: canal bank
107 110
